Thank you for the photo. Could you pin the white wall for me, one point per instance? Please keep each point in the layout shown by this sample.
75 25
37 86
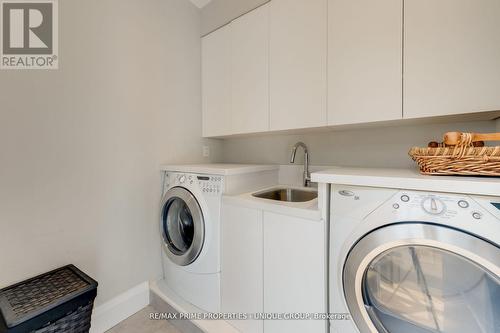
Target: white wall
370 147
219 12
80 147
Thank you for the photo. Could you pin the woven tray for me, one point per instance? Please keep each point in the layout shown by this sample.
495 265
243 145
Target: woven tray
462 159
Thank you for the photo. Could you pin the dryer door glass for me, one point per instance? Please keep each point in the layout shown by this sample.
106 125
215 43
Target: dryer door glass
423 278
423 289
182 226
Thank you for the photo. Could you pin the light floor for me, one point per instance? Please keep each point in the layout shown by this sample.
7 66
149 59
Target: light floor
140 323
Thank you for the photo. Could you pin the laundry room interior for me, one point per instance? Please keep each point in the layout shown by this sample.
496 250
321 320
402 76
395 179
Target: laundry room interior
251 166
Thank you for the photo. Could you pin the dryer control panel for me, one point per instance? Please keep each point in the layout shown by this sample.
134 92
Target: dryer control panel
439 205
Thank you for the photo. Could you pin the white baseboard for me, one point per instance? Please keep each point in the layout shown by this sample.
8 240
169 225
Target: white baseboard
109 314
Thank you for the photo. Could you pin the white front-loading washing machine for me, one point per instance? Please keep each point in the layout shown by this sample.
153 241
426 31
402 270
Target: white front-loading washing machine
190 230
414 262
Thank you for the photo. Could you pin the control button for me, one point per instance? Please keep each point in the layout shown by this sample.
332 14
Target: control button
395 206
346 193
477 215
405 198
433 205
463 204
182 179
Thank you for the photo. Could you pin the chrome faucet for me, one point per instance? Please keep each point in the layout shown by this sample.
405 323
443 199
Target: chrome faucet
306 175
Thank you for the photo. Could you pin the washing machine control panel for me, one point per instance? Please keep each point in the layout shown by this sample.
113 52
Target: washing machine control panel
206 184
210 185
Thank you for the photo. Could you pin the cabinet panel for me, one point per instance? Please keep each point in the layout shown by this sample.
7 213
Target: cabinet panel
242 265
294 272
364 61
216 82
250 72
452 57
298 64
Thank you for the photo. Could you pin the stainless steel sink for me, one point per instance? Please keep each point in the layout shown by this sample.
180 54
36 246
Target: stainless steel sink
287 194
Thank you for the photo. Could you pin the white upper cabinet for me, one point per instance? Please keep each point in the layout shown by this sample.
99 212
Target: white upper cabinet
235 76
294 64
364 61
452 57
298 64
250 72
216 82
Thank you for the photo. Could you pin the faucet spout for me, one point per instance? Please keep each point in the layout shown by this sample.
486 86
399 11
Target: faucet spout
306 175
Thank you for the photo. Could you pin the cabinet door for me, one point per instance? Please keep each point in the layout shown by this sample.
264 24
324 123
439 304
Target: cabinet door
294 272
298 58
242 265
250 72
216 82
364 61
451 57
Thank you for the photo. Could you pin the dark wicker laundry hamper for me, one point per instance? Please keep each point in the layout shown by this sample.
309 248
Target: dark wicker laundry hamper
57 301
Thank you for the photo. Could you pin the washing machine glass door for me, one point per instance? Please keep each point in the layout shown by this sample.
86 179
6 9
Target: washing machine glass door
434 279
182 226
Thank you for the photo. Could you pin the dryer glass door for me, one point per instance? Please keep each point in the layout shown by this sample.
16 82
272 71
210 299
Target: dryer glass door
182 226
424 288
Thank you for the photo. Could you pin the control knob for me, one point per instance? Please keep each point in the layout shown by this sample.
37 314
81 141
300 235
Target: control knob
433 206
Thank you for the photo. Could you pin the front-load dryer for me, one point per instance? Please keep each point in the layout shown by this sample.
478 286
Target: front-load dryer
190 230
414 262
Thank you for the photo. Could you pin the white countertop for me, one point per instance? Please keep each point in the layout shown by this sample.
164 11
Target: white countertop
306 210
409 179
219 169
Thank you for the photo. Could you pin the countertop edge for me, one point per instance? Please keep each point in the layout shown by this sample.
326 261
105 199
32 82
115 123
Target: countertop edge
218 170
472 185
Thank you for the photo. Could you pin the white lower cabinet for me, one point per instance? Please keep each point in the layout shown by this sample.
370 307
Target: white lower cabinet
241 273
274 264
294 272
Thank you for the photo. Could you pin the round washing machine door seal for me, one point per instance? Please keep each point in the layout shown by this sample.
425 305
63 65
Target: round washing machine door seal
417 277
182 226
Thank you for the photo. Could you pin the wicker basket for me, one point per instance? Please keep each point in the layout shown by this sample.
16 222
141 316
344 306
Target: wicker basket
462 159
59 301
